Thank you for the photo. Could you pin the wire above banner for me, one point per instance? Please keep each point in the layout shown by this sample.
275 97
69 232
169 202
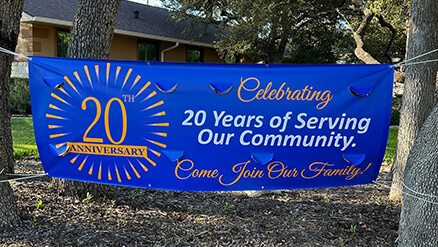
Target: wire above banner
210 127
402 63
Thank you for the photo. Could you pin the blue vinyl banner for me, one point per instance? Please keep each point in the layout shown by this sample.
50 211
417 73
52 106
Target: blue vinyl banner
210 127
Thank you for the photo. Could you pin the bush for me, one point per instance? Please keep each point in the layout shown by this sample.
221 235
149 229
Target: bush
395 117
19 100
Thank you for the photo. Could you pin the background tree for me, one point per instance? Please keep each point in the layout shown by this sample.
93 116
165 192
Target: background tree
418 217
420 83
301 30
93 29
320 44
378 29
10 14
259 29
90 37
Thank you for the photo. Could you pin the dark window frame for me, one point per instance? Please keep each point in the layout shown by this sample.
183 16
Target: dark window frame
157 56
58 30
201 54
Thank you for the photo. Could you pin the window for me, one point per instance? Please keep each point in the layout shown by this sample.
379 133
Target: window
147 51
194 56
62 38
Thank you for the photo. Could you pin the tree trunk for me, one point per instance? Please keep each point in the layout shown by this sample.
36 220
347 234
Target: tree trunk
357 35
90 37
419 218
93 29
420 80
10 14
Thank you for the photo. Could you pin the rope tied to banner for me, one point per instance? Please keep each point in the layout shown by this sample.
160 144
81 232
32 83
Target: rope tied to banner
23 177
28 176
414 194
14 53
405 62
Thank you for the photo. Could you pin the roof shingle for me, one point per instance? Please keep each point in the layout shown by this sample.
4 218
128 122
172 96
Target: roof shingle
151 20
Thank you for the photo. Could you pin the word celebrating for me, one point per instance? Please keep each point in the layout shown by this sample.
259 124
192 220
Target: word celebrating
279 124
305 94
104 149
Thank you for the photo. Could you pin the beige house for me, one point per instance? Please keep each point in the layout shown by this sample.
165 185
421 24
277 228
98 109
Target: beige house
142 32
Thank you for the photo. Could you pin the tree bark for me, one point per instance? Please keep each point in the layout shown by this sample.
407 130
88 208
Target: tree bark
93 29
419 218
419 88
10 14
90 37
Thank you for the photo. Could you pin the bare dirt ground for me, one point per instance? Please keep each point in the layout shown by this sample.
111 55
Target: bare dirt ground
345 216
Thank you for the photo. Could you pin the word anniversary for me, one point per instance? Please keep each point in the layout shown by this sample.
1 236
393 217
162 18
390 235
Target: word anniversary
105 149
249 90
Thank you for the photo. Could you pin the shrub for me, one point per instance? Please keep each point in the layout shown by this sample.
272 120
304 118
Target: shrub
19 100
395 117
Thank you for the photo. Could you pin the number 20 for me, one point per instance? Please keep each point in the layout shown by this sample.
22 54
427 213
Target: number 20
107 128
199 120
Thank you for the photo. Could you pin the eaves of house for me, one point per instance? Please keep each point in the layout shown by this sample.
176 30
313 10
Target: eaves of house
137 26
134 19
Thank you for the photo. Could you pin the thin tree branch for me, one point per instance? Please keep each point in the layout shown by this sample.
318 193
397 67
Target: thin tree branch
384 23
357 35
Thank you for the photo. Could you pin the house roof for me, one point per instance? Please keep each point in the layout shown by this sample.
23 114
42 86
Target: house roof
152 22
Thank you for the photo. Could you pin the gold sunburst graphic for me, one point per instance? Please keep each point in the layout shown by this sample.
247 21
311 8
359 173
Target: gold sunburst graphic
102 157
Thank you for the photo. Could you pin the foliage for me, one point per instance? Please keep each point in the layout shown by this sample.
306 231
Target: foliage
395 117
378 37
23 137
395 12
136 193
39 204
306 31
88 198
62 39
19 100
341 241
391 145
328 46
228 206
260 29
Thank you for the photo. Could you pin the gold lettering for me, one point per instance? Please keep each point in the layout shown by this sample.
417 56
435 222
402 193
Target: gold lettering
272 94
320 168
242 172
325 97
238 168
315 169
268 87
178 167
269 93
279 96
353 173
242 86
288 92
193 173
275 169
107 149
